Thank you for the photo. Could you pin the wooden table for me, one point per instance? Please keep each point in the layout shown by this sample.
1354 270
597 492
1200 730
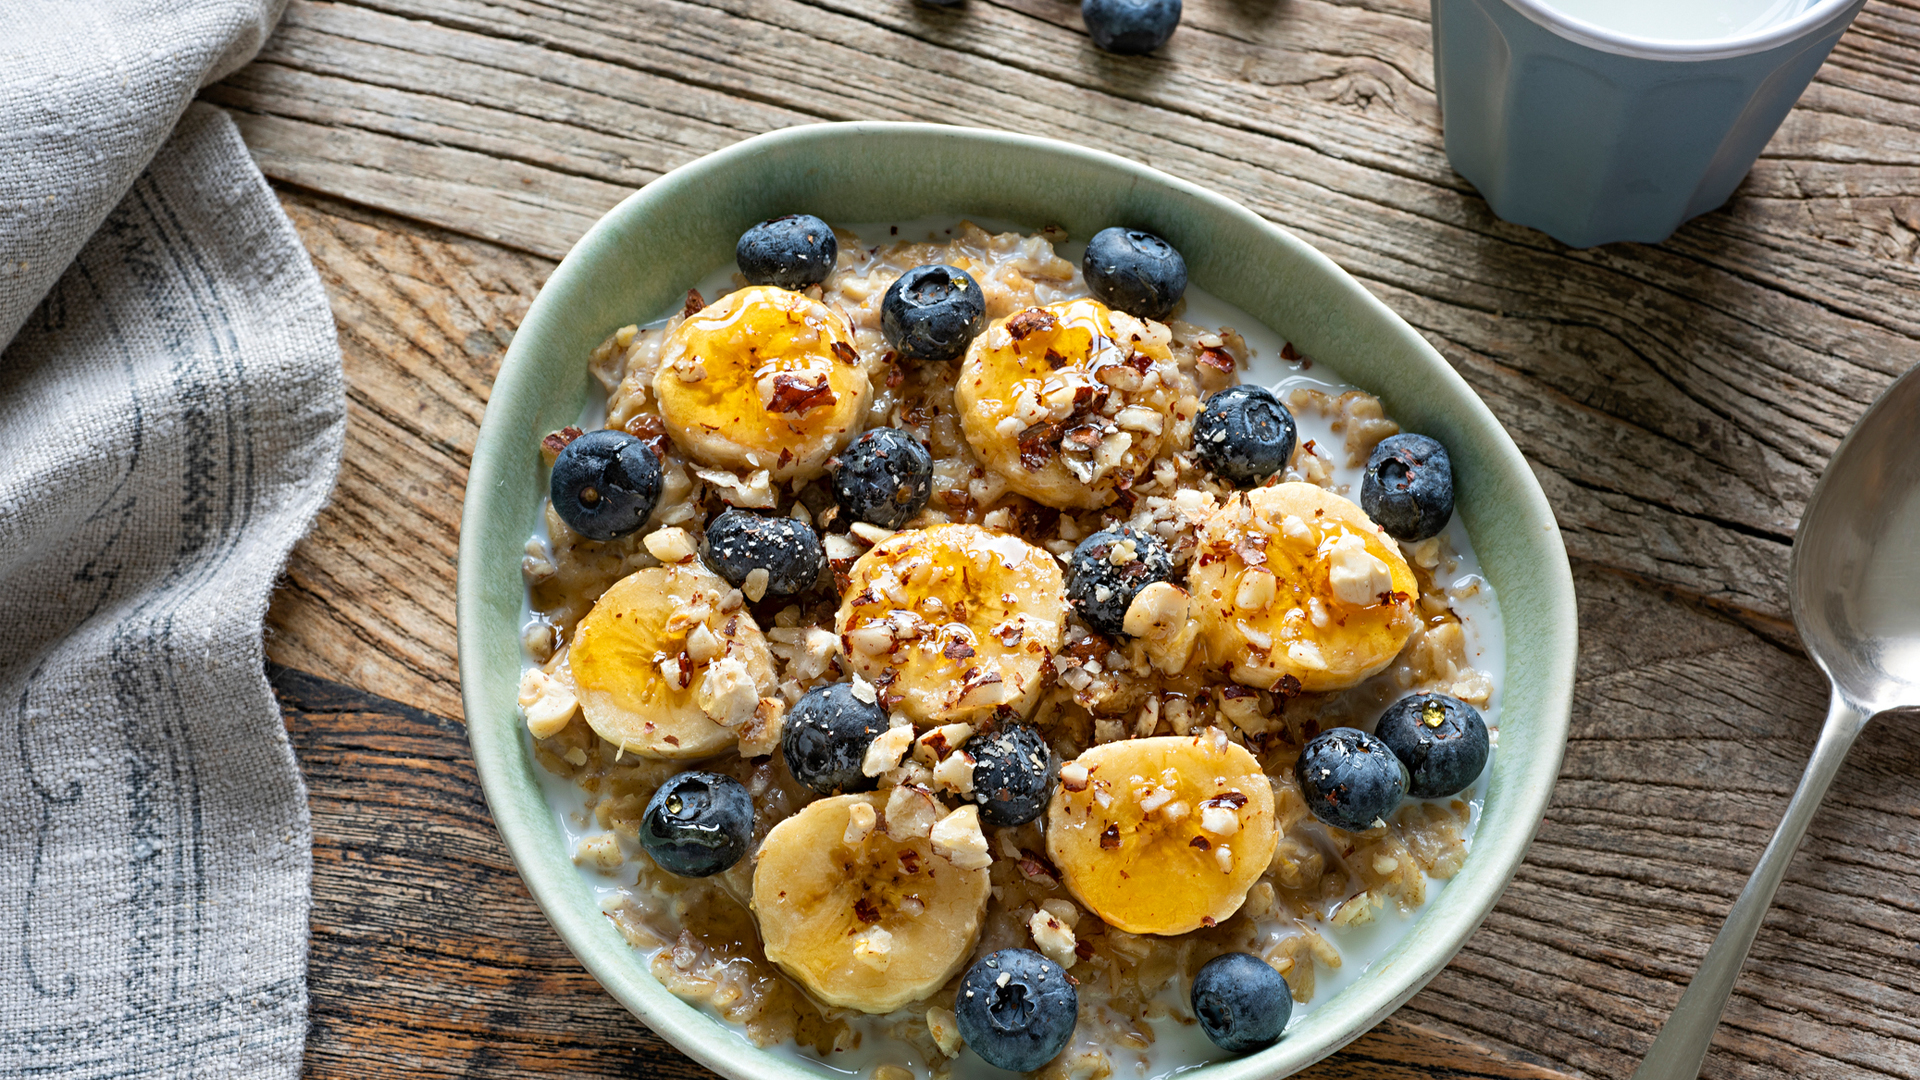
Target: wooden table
1677 403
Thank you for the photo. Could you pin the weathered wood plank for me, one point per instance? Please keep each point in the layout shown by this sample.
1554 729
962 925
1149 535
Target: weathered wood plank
368 596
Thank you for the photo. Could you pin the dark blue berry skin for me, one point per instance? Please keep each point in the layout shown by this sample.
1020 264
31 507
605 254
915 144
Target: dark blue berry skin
1242 1003
933 312
826 736
1100 591
1441 740
741 541
1350 779
1012 774
1408 486
697 824
605 484
1135 271
1024 1023
1244 435
884 477
1130 27
792 252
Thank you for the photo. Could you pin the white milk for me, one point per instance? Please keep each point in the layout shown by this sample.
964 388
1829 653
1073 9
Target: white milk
1682 20
1177 1047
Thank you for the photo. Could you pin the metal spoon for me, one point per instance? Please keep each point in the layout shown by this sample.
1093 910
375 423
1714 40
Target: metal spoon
1856 603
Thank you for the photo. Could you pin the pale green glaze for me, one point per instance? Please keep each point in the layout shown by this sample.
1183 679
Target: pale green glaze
639 260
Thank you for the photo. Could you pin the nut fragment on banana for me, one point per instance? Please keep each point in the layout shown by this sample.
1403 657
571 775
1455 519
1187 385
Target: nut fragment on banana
861 919
548 703
762 380
1159 618
663 670
1295 581
953 621
1068 402
1163 835
957 838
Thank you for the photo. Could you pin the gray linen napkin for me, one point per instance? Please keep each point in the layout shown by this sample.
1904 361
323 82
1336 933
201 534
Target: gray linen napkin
171 418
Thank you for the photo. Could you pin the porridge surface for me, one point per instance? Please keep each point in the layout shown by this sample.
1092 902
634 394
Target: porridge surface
1320 889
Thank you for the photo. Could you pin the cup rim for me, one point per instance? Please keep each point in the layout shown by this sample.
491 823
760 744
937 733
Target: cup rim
1592 36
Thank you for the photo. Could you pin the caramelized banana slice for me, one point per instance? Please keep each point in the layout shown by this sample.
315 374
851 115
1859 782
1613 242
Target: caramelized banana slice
1069 401
861 918
1162 835
955 619
763 379
1293 580
663 672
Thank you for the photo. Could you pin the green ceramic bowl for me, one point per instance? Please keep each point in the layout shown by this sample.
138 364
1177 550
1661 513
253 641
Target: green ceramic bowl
640 259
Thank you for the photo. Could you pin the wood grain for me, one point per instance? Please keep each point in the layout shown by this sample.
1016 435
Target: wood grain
1676 401
368 596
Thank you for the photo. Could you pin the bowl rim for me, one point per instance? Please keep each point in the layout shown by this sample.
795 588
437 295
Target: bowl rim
503 765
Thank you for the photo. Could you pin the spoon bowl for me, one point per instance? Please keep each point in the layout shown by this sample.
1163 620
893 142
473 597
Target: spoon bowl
1856 560
1855 584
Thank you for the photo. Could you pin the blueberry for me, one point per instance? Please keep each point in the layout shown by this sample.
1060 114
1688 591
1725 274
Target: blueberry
932 312
792 252
1100 589
1350 779
605 484
1243 1004
1408 486
741 541
1130 27
697 824
1244 435
1016 1009
1441 740
1135 271
826 736
1012 774
884 477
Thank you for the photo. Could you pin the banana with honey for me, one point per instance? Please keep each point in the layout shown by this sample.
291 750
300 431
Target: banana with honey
1068 402
862 918
954 620
1162 835
1296 581
663 669
763 379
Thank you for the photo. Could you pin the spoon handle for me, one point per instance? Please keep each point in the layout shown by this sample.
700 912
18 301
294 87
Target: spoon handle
1682 1044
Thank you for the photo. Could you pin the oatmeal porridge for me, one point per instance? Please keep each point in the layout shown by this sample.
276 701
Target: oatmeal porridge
915 609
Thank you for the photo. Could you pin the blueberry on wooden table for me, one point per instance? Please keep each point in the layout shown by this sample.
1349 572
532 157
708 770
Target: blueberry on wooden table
741 542
1130 27
1440 739
933 313
1016 1009
1012 774
1408 486
1109 569
825 739
605 484
792 252
1241 1002
1243 435
1134 271
697 824
1350 779
884 477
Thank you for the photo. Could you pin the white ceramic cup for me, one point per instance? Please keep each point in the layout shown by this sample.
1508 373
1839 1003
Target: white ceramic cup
1593 136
